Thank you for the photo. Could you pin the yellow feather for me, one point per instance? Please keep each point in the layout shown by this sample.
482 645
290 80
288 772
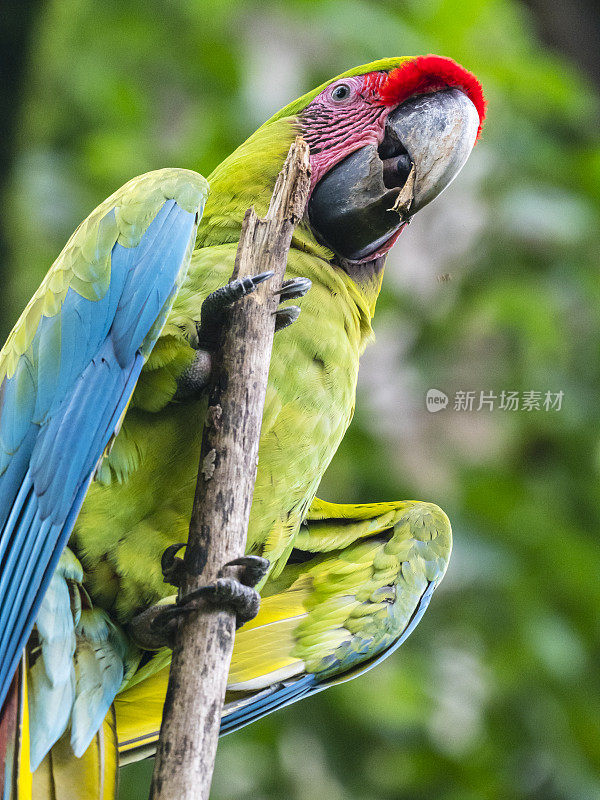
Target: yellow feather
278 607
322 509
263 655
139 712
60 776
24 785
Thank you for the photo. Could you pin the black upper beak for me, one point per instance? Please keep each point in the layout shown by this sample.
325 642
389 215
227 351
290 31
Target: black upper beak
360 203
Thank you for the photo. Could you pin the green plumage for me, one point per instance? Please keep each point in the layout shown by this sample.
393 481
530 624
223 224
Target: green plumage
329 618
371 568
361 595
142 502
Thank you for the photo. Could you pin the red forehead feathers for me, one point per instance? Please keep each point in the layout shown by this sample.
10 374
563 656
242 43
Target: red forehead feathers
426 74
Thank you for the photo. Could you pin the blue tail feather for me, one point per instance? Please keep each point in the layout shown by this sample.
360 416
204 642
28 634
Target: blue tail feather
246 711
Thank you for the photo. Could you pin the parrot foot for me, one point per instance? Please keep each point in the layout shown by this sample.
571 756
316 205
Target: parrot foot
156 626
293 288
235 594
285 316
195 378
193 381
290 290
211 312
172 567
253 568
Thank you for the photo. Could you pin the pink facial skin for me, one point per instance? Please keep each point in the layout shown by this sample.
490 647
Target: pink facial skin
351 112
335 125
346 116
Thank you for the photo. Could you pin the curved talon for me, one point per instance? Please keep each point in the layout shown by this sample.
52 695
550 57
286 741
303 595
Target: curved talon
252 281
285 317
194 379
172 567
234 291
217 302
156 626
255 568
226 593
293 288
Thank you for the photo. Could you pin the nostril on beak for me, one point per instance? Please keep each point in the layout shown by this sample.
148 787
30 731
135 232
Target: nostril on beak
396 170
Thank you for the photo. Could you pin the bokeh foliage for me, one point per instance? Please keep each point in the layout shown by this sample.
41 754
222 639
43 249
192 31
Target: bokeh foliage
497 693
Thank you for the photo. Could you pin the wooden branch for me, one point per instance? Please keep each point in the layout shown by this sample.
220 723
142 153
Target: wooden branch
227 472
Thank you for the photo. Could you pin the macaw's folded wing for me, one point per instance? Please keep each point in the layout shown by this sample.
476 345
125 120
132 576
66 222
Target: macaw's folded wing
67 372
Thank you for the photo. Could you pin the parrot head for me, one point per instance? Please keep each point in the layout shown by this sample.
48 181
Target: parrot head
385 139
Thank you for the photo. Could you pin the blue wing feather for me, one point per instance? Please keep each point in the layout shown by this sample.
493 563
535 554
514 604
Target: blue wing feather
19 400
57 414
38 545
241 713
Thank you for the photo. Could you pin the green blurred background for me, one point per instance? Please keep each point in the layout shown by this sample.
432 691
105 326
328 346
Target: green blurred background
497 693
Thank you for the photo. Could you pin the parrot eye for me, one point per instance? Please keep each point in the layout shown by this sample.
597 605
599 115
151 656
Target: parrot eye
341 92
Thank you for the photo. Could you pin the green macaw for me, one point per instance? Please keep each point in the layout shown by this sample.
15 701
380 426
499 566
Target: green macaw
86 455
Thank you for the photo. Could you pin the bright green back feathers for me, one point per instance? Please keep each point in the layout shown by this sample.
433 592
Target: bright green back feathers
382 65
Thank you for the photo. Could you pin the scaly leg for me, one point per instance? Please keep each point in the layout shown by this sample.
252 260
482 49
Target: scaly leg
156 626
195 378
